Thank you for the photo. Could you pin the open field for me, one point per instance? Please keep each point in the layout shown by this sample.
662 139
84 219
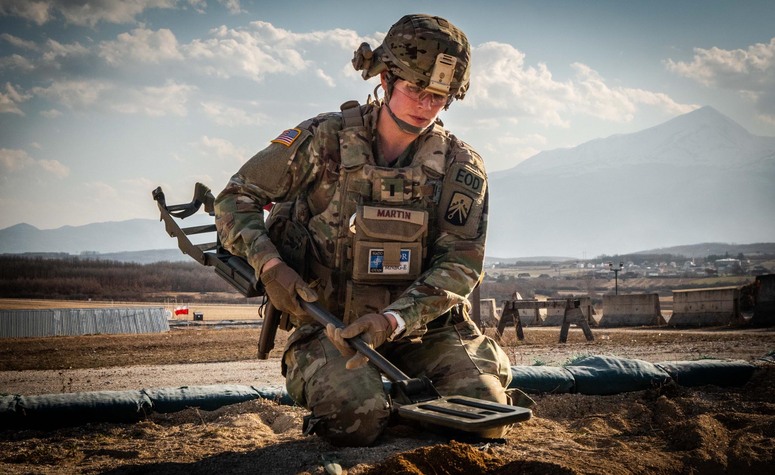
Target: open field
212 312
665 430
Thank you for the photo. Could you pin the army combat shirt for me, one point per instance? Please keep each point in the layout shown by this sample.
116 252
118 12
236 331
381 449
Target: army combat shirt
309 161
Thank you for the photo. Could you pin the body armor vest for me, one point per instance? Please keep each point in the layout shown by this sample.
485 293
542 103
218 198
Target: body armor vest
372 229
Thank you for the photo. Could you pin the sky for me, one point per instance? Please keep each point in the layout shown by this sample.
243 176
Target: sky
103 101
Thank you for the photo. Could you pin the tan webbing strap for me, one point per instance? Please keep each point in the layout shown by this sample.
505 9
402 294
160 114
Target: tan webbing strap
392 254
351 114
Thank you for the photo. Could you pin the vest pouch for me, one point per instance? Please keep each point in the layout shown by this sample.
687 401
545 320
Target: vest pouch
289 237
361 299
388 244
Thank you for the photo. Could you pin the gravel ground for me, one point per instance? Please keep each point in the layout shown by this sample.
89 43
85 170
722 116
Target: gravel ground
665 430
196 356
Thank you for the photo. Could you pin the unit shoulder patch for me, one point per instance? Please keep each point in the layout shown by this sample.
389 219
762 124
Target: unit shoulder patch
462 200
458 209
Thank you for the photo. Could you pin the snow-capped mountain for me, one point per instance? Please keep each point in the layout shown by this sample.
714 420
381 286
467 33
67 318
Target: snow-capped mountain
704 137
699 177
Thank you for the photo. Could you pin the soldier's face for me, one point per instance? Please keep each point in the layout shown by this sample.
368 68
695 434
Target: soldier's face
419 110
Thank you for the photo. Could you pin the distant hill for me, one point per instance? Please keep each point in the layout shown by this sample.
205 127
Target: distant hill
716 248
57 248
699 177
146 257
111 237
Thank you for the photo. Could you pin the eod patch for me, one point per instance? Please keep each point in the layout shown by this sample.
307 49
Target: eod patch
463 197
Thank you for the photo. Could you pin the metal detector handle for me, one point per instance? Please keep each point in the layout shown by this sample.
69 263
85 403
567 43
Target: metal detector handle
324 317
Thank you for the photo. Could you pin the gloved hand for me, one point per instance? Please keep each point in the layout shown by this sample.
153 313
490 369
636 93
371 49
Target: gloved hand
374 328
284 286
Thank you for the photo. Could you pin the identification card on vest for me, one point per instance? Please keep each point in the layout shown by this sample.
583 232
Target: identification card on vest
377 263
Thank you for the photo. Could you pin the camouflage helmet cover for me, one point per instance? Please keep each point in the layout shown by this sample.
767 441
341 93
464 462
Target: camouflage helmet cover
410 50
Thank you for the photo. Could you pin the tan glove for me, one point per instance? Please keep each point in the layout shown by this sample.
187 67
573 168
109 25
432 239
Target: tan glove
374 328
284 286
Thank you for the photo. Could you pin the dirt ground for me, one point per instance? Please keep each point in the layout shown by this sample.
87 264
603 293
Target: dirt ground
666 430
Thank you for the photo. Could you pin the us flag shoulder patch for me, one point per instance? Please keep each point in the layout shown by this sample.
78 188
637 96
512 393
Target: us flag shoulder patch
288 137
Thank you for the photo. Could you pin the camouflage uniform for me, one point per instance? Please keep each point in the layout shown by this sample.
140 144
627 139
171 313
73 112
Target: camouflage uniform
371 238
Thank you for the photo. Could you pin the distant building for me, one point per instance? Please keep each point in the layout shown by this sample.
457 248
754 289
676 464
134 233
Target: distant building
729 266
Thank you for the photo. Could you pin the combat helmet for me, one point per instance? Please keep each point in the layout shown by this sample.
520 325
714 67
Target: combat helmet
425 50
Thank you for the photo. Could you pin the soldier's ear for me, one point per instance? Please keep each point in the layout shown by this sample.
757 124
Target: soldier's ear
383 80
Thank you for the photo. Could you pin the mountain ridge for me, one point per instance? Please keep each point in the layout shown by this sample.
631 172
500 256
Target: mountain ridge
702 137
695 178
699 177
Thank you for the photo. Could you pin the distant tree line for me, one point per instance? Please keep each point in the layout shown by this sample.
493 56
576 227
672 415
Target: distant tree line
75 278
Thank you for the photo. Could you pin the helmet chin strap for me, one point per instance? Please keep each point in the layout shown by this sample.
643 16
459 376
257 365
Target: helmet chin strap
403 125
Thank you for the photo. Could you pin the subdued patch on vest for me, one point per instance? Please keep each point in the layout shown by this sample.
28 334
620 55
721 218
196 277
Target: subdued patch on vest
394 214
458 209
392 189
287 137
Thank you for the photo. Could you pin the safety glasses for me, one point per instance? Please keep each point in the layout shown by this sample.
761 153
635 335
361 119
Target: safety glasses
418 94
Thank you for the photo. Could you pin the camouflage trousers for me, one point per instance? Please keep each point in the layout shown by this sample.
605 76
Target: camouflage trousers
351 407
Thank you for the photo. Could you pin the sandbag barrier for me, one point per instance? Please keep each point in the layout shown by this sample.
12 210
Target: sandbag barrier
593 375
606 375
69 409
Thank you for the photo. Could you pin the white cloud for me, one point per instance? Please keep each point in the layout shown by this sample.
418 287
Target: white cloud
74 94
136 189
142 45
597 99
227 116
222 149
47 59
51 113
233 6
770 119
658 99
502 81
199 6
739 69
11 98
17 42
154 101
55 167
527 139
327 80
37 12
55 50
91 12
13 160
167 100
243 53
81 12
749 72
16 160
261 49
101 192
17 63
516 148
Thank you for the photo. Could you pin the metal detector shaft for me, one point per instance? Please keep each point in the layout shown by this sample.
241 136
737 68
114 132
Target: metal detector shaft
324 317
